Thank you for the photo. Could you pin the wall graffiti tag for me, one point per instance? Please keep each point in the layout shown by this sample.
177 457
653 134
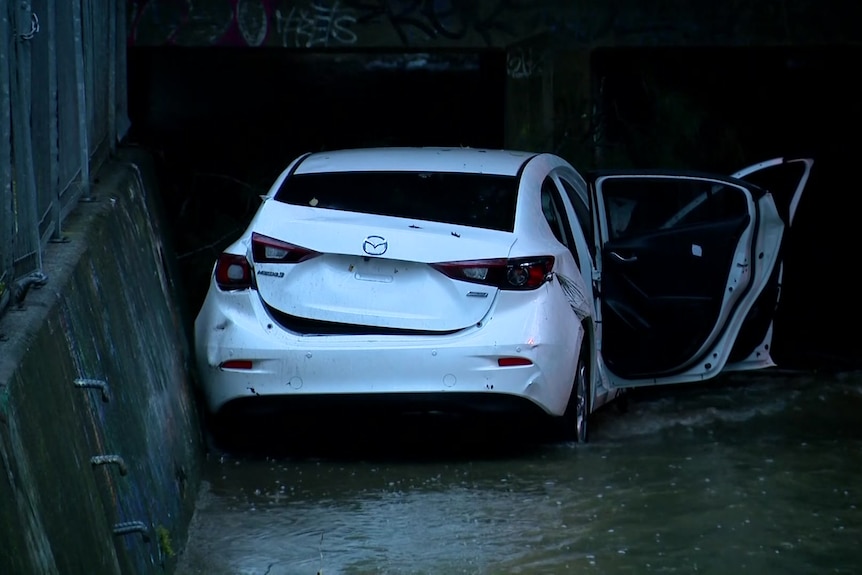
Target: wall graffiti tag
326 23
252 19
184 22
523 63
318 25
472 23
424 21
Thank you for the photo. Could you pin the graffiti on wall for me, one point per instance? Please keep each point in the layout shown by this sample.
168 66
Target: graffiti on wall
480 23
327 23
320 23
428 21
317 25
182 22
523 62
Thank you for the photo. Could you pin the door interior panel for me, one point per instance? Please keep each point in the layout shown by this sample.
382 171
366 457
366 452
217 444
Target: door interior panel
785 180
758 321
662 294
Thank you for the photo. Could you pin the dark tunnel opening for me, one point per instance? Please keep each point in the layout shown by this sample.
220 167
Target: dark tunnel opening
251 111
225 121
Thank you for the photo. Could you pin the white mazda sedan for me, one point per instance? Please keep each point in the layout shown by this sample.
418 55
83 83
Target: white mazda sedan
453 279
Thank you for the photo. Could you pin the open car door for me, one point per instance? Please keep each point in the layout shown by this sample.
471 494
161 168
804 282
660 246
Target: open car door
786 180
682 260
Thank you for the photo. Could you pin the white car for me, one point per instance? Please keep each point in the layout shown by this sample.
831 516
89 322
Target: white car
468 279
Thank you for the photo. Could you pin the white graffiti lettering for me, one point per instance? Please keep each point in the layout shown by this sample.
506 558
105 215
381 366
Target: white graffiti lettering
521 63
252 21
318 25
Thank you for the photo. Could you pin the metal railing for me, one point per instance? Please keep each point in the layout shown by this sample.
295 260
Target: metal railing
62 110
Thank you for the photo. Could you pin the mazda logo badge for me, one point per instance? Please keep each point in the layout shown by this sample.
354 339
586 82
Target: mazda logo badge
375 245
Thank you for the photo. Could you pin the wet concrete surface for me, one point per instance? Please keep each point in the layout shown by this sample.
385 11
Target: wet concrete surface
753 474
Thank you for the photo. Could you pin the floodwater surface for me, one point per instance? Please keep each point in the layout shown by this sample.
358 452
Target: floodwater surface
755 474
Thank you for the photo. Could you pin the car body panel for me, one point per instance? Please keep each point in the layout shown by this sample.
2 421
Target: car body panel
345 284
402 239
234 325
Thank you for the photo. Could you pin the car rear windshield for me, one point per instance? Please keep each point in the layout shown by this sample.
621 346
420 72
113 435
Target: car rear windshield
477 200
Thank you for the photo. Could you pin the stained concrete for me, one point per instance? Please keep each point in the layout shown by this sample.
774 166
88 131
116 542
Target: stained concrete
108 313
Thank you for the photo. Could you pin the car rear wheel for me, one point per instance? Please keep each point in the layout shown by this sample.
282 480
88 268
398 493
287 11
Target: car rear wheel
575 422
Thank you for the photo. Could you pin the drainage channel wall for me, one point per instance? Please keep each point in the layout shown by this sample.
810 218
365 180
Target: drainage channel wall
100 445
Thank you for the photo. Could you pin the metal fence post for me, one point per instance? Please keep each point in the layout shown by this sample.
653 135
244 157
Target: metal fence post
53 123
112 77
7 223
83 121
88 43
120 80
25 178
58 98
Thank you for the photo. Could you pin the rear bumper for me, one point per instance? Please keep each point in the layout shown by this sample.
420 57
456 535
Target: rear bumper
454 372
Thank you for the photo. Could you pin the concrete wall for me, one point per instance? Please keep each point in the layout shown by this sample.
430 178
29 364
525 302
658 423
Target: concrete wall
395 24
107 313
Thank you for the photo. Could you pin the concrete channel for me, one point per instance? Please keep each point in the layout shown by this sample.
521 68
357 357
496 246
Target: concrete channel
100 442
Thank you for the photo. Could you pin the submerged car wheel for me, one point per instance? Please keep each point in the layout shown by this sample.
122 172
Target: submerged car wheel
575 422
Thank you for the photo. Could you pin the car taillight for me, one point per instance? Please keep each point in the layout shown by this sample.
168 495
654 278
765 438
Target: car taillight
233 272
508 274
269 250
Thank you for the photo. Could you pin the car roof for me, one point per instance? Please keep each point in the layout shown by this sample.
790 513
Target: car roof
458 160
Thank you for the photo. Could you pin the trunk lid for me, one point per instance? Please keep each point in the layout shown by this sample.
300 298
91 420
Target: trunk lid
374 271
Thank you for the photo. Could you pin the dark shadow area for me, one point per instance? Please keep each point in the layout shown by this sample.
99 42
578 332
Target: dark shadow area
720 109
368 436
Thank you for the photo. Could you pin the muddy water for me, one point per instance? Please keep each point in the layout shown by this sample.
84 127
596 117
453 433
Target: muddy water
755 475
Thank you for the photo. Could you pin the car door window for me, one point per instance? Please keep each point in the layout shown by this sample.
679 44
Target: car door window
635 207
784 179
550 211
582 212
555 215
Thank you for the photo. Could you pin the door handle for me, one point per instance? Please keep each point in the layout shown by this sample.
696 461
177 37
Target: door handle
623 259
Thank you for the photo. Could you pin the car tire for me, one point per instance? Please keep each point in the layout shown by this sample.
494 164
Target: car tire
575 421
